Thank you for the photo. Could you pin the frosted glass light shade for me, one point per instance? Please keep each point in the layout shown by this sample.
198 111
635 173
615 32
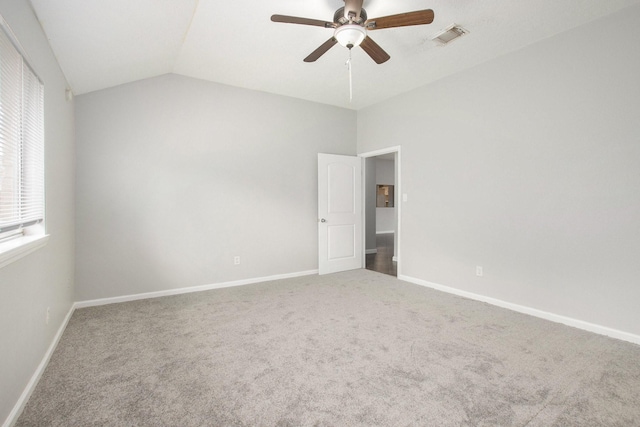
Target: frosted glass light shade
350 35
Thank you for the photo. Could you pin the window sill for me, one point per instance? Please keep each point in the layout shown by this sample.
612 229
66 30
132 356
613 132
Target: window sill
15 249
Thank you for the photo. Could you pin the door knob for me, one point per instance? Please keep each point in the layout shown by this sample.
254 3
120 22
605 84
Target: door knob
323 220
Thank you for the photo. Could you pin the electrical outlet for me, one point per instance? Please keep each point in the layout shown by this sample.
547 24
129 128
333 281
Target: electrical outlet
48 315
479 270
236 260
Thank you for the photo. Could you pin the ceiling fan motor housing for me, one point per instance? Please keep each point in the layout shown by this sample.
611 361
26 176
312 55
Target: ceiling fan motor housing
339 17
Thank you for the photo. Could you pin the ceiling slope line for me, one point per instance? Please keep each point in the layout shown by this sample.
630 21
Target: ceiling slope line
185 35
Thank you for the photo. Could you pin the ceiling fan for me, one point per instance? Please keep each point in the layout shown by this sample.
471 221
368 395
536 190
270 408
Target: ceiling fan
350 26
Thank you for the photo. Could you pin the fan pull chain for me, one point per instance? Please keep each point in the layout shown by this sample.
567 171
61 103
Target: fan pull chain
350 77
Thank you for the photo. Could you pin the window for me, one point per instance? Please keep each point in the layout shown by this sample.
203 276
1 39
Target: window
21 145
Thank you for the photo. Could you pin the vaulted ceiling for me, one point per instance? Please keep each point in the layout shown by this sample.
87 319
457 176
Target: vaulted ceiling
104 43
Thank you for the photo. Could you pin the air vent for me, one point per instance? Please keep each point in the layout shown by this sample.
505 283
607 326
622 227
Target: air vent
449 34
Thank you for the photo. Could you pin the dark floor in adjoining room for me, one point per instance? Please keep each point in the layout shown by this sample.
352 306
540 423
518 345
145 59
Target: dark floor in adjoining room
382 261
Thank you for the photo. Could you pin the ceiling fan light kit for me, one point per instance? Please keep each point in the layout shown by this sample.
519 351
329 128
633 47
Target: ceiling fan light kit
350 35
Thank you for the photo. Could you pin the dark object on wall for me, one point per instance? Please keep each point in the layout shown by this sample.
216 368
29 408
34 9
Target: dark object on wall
384 196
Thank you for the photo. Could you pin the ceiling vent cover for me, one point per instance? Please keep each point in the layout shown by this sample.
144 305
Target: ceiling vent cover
449 34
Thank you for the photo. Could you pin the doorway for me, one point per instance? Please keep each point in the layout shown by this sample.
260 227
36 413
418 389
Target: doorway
382 196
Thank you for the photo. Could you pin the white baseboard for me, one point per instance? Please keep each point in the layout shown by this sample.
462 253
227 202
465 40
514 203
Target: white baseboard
168 292
580 324
385 232
371 251
31 385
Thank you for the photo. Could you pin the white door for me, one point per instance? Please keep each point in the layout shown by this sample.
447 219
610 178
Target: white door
339 213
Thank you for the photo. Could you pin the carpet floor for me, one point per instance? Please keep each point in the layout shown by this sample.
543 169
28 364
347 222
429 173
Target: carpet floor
348 349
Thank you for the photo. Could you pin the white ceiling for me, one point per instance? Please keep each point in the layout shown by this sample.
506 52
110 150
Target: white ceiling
104 43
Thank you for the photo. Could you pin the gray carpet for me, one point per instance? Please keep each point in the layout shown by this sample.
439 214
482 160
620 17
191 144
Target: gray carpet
348 349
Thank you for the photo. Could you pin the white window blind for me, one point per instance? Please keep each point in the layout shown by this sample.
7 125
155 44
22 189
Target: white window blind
21 140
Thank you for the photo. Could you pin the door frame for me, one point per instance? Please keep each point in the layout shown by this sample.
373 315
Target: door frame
397 149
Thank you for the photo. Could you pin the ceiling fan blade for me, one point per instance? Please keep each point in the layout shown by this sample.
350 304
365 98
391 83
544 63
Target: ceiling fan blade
374 50
324 47
304 21
419 17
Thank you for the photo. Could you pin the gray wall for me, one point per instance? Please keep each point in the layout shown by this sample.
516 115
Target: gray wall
176 176
43 278
385 174
528 165
370 203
